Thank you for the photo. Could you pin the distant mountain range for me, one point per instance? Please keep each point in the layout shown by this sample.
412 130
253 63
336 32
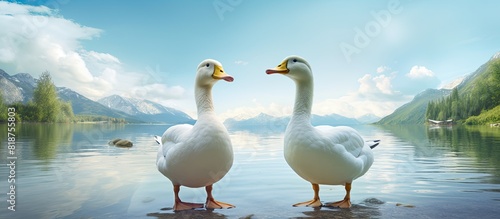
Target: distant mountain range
19 88
145 110
16 88
84 106
414 111
263 121
272 123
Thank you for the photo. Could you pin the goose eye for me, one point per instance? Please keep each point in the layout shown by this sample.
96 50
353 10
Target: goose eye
208 65
294 60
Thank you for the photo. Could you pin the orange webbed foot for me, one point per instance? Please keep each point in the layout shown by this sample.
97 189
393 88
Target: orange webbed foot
181 206
213 204
312 203
346 203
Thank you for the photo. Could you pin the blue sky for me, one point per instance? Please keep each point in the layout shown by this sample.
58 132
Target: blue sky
367 57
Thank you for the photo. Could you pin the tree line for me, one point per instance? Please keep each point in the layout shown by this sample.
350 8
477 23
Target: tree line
47 107
44 107
484 95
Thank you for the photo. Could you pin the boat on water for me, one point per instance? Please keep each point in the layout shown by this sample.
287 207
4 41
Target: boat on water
448 122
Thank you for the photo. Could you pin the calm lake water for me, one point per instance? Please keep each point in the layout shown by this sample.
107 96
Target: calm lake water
69 171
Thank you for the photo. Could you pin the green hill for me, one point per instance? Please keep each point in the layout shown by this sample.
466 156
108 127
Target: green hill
414 111
488 116
478 93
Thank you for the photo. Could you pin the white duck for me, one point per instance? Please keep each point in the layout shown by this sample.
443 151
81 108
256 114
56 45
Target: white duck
322 154
201 154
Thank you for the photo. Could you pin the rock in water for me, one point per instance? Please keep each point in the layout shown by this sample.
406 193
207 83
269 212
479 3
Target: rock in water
113 142
121 143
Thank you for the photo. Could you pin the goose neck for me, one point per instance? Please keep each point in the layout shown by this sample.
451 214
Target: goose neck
303 100
204 102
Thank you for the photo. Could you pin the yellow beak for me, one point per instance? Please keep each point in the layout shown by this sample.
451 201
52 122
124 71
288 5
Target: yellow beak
220 74
281 68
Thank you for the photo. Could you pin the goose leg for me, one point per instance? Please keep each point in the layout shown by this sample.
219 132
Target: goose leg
212 203
346 202
315 202
179 205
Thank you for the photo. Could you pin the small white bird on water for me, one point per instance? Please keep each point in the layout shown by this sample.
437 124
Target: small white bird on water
198 155
322 154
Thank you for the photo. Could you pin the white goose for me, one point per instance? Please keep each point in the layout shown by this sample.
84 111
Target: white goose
322 154
201 154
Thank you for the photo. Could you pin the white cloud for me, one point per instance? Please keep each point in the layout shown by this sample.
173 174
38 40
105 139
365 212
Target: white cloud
419 72
351 105
240 62
375 95
15 9
417 80
383 69
157 92
35 39
104 58
370 85
355 107
383 83
6 55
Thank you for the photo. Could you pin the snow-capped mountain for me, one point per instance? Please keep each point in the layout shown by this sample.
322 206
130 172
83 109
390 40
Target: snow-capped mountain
266 122
496 56
368 118
146 110
453 83
20 87
84 106
134 106
262 122
16 88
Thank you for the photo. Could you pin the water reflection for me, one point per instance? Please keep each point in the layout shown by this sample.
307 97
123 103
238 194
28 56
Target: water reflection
464 156
479 142
369 208
187 214
69 171
47 138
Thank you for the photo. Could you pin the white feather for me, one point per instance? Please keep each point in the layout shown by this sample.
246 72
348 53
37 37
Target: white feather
323 154
201 154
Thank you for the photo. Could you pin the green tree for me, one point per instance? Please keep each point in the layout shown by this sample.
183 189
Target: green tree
494 83
454 104
429 110
3 109
47 105
66 112
483 96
